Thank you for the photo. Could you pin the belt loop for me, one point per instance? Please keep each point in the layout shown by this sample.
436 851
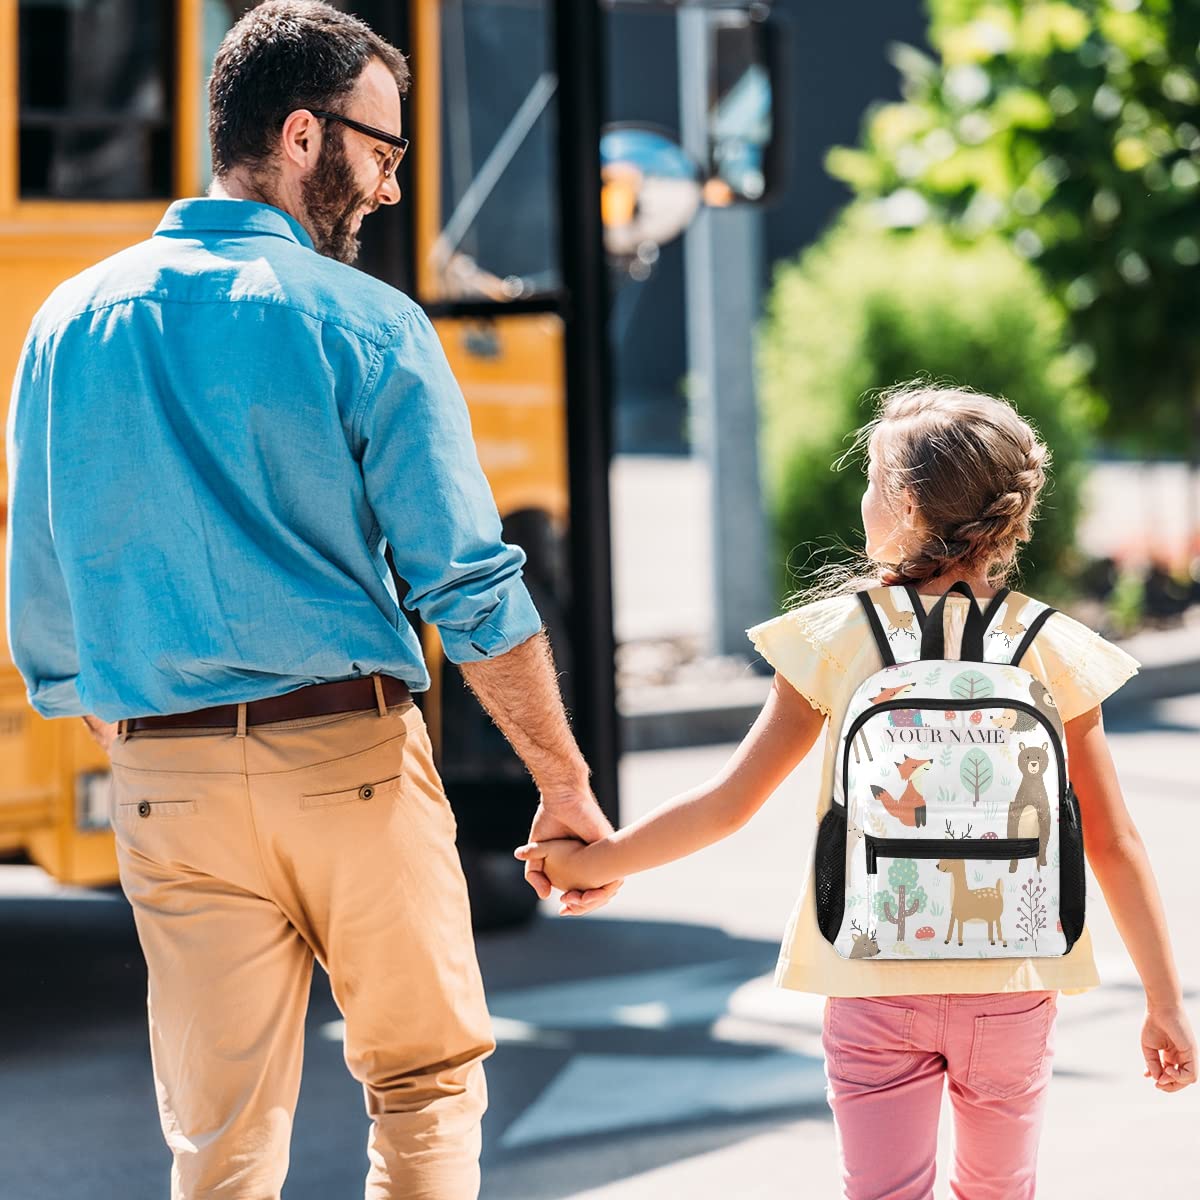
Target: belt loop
122 729
241 726
379 697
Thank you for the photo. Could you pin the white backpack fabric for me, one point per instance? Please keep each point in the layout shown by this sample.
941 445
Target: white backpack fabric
954 831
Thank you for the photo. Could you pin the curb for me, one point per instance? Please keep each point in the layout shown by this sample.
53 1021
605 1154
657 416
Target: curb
678 718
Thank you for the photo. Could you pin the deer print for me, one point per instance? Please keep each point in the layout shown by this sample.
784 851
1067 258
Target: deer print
886 694
865 944
972 904
901 620
1009 627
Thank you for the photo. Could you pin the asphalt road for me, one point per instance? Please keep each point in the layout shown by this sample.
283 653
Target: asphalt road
642 1053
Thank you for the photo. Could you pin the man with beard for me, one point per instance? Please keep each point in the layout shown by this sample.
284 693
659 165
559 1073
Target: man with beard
214 435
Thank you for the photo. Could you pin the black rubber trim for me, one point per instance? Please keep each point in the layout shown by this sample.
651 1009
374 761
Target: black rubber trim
970 848
937 705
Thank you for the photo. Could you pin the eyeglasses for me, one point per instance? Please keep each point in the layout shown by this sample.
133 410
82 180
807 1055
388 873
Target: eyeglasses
399 144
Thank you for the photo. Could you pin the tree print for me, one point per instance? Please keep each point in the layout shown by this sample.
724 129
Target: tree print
909 897
971 685
976 773
1032 910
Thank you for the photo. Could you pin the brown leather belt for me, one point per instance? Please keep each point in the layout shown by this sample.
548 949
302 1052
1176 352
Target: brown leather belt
315 700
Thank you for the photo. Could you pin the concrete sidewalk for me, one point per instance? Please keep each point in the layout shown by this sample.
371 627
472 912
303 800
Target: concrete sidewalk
659 1062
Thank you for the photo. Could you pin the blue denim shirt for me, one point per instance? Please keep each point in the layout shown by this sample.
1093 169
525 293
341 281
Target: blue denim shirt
213 435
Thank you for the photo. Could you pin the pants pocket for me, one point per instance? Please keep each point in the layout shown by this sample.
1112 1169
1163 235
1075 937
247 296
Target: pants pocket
1008 1050
381 790
869 1041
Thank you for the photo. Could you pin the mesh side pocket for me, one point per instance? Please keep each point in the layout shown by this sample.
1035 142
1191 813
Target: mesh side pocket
830 872
1071 877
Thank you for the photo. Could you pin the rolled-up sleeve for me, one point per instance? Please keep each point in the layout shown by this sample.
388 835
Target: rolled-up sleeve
37 619
424 482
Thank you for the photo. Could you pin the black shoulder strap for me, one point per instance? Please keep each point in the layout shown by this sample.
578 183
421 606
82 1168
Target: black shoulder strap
1030 634
993 605
885 650
918 608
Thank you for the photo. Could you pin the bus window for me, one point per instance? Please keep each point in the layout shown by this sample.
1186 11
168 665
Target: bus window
95 106
498 237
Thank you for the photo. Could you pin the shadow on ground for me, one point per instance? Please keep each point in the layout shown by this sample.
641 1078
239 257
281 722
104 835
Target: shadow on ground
608 1062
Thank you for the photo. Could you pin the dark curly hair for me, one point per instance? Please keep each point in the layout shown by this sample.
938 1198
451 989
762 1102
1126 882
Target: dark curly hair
281 56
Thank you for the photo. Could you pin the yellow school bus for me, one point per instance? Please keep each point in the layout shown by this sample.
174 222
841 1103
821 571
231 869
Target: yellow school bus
102 123
499 236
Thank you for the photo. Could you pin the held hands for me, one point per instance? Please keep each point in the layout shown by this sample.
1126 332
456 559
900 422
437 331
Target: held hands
565 863
567 813
1169 1048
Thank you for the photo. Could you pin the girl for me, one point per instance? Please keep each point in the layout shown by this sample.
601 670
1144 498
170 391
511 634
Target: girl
953 482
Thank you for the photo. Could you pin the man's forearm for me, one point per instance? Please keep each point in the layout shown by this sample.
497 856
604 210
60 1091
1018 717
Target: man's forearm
520 692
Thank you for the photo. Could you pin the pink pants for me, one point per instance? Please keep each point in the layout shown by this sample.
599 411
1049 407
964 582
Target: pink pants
885 1061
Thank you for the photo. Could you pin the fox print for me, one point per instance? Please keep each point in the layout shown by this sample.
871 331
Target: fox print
909 808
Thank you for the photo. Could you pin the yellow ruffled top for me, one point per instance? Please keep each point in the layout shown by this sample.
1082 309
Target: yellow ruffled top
825 650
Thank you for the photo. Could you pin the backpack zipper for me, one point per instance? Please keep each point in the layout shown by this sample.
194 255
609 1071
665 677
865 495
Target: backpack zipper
964 705
972 848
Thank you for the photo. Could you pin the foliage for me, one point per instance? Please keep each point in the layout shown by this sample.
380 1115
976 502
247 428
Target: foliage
971 685
909 897
976 773
1031 909
1072 129
866 308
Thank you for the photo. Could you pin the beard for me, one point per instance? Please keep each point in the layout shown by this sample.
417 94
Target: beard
331 202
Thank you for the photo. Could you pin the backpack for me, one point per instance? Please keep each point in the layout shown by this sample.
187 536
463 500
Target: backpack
954 831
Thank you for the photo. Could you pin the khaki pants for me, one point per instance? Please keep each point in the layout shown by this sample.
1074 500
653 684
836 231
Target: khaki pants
246 857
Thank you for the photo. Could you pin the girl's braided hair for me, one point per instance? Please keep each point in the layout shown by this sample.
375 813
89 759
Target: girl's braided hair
972 467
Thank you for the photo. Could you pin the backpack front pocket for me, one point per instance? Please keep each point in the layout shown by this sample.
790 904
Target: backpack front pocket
927 894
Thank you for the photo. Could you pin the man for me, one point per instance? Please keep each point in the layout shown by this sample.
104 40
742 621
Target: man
213 437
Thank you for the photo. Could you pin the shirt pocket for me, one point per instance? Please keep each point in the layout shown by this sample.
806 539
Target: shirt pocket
363 792
1008 1050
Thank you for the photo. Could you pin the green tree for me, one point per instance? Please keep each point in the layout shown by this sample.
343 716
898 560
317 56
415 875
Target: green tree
908 898
976 773
971 685
866 308
1072 129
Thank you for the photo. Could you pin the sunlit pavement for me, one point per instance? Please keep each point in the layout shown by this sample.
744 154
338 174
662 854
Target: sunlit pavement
643 1053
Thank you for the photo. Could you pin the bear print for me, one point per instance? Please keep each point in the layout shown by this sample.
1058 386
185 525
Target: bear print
1033 761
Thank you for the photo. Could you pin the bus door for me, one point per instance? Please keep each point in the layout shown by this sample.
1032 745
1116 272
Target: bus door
499 238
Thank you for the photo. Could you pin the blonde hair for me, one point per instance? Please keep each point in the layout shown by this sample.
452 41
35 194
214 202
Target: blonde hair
972 467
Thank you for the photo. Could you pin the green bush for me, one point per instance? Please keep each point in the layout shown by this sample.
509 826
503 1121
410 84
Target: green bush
866 308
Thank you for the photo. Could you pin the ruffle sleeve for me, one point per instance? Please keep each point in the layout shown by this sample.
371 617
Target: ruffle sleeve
806 647
1079 666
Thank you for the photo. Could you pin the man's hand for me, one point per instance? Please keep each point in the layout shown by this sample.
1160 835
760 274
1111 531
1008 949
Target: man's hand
104 732
572 813
519 690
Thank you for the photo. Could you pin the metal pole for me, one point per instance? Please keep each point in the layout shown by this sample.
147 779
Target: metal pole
722 265
579 40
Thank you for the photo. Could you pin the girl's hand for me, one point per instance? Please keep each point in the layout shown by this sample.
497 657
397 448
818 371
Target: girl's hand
1169 1048
565 863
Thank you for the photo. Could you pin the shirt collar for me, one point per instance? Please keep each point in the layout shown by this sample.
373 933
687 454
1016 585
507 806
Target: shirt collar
205 215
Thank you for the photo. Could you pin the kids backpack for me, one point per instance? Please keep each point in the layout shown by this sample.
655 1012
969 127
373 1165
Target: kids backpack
954 831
